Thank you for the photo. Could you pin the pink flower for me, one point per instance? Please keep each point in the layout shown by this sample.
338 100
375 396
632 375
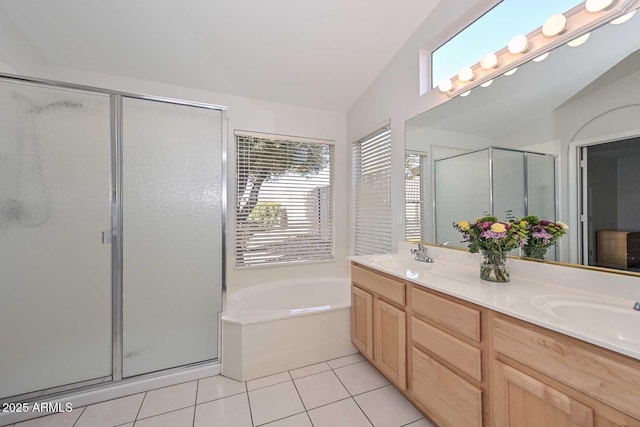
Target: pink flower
486 225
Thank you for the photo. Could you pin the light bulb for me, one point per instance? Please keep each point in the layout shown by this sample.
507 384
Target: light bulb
490 60
465 93
445 86
579 40
518 44
541 57
554 25
624 18
465 75
597 5
511 72
487 83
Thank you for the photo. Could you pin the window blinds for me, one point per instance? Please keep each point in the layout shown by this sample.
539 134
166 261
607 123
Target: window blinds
415 171
372 192
284 200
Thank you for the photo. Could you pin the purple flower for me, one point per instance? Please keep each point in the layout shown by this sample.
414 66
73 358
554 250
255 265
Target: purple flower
544 235
493 235
544 222
486 225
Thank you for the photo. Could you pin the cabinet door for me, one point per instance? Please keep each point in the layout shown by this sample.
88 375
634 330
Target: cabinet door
523 401
389 336
447 398
362 321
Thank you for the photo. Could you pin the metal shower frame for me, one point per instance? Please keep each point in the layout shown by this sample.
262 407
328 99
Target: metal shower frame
116 235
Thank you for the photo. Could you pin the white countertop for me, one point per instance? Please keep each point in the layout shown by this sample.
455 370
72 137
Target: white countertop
527 297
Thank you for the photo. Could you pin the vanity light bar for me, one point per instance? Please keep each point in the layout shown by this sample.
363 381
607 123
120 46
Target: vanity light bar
572 27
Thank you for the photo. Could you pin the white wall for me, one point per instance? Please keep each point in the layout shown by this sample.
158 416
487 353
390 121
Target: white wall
255 115
395 94
17 56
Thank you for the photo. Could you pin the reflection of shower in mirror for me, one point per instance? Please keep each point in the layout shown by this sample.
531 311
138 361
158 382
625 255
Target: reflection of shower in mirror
24 196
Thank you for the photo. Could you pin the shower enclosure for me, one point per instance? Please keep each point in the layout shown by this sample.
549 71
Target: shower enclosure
493 181
111 236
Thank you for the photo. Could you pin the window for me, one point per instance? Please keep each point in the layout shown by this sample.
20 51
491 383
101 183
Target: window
491 32
372 192
284 199
415 171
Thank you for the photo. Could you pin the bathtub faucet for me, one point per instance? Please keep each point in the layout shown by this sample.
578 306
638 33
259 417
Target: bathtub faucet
421 254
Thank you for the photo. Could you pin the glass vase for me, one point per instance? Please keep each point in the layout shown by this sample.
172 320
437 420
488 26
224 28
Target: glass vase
494 266
536 252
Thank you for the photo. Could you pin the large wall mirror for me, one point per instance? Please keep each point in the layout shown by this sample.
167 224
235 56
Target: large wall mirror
565 138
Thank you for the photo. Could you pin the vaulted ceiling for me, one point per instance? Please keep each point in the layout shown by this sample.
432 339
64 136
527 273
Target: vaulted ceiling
319 54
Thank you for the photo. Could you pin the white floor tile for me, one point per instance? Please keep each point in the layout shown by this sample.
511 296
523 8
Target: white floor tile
111 413
420 423
179 418
344 413
320 389
65 419
386 407
310 370
360 377
267 381
300 420
274 402
347 360
228 412
168 399
217 387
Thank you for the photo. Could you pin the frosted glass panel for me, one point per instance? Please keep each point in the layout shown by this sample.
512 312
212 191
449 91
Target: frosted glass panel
462 192
508 183
541 173
541 183
172 242
55 297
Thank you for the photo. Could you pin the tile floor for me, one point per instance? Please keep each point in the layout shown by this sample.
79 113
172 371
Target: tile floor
345 392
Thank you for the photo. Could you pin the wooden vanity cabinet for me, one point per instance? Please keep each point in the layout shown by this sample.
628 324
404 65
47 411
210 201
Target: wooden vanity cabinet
466 365
378 322
362 321
446 376
541 377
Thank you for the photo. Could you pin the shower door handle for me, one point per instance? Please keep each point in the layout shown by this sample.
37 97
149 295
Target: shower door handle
106 237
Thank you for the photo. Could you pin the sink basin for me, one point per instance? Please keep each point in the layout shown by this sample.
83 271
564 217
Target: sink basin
612 318
406 263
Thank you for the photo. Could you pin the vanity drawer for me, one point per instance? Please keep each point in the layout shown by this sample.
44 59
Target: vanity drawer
605 376
447 398
388 288
460 354
457 317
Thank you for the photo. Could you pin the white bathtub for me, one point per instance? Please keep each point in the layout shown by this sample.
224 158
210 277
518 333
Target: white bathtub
278 326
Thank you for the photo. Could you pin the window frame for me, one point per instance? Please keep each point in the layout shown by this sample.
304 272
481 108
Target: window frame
323 228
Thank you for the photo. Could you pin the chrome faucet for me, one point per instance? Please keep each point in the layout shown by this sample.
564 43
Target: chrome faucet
636 306
421 254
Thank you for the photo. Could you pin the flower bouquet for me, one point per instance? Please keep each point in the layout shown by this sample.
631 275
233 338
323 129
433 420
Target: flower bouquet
494 239
540 234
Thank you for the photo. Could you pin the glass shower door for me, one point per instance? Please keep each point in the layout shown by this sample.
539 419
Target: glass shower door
172 234
55 272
